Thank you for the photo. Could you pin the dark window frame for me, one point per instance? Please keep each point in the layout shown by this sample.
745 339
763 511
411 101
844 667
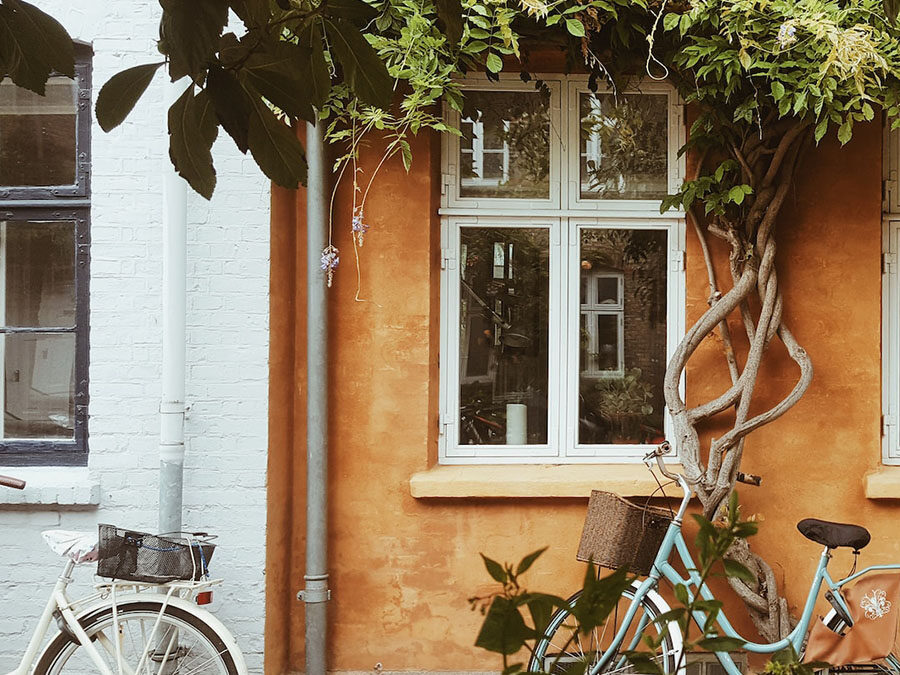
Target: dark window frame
69 203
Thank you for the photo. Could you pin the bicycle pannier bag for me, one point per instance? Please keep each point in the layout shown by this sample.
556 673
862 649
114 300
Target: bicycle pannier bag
874 603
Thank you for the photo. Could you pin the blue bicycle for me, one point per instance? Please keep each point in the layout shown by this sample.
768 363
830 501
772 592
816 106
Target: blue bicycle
562 645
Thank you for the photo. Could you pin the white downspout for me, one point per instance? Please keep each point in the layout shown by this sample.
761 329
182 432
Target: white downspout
174 337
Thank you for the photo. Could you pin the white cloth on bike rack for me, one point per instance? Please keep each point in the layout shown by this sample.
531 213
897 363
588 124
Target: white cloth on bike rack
79 546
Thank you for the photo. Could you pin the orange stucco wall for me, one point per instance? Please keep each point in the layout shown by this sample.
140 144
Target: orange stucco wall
403 568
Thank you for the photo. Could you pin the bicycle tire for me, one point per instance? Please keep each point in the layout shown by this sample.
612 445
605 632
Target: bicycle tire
592 648
195 647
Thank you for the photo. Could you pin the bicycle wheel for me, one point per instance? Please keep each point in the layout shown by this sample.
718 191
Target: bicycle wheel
562 646
181 644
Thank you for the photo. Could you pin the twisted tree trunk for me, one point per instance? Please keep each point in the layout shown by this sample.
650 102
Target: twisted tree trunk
768 164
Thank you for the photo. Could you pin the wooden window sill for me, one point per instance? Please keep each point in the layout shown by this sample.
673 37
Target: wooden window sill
534 480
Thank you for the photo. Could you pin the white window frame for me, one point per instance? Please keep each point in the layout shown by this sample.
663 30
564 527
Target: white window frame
890 302
451 178
578 85
592 309
564 215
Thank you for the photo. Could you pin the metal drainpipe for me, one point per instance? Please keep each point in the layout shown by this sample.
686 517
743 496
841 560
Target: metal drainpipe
316 593
174 337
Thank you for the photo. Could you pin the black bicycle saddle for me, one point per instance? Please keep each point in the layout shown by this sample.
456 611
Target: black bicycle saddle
833 535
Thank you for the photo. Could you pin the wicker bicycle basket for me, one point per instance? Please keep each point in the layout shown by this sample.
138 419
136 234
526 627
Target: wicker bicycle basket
620 533
150 558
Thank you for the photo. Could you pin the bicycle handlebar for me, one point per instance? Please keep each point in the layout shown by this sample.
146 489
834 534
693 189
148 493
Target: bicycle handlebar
9 481
665 448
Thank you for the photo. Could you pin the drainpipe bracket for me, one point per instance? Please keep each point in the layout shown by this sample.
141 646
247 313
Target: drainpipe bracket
311 596
316 589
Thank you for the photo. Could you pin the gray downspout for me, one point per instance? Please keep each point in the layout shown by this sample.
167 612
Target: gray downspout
174 338
316 592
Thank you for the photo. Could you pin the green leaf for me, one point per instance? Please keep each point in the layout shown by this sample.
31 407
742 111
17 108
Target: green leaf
643 662
364 71
275 147
120 94
821 129
575 27
44 36
736 569
314 68
193 128
599 597
503 631
845 131
541 606
450 13
253 13
273 73
721 644
357 11
745 59
681 594
406 154
232 105
494 63
736 194
670 21
495 569
528 561
777 90
189 34
23 68
867 112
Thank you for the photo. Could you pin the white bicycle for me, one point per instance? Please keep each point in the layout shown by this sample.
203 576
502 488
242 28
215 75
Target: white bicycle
131 626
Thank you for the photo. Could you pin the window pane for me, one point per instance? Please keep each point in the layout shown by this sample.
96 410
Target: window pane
509 133
624 146
608 291
504 321
623 351
37 261
37 134
39 385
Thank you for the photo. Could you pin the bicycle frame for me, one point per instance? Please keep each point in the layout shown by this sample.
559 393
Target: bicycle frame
674 540
58 602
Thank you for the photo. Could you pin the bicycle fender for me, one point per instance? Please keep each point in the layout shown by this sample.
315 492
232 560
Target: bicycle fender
187 606
674 629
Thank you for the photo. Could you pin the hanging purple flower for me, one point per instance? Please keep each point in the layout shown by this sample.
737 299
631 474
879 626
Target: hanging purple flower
359 226
330 260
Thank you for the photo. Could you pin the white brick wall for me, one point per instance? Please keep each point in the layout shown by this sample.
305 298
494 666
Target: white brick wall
226 353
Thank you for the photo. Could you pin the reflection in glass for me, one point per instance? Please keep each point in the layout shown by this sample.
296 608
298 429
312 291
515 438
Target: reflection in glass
39 385
622 337
37 134
624 143
504 317
505 145
38 284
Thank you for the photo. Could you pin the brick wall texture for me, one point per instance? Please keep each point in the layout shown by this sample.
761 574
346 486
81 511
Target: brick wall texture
228 258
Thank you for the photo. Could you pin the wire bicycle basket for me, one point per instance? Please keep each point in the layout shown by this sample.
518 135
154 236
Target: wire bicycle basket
619 533
129 555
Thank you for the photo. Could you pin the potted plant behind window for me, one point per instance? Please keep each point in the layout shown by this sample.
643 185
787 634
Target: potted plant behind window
624 402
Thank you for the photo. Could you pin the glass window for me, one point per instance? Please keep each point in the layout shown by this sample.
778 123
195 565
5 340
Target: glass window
505 145
37 134
624 146
504 303
44 238
562 286
623 335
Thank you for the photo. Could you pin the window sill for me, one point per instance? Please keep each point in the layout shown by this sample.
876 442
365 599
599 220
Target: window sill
65 487
883 483
532 480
